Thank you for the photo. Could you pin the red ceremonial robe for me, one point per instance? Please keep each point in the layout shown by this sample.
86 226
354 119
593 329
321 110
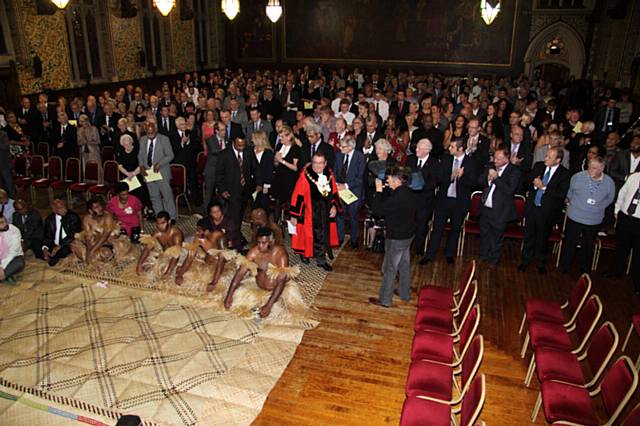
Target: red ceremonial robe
302 207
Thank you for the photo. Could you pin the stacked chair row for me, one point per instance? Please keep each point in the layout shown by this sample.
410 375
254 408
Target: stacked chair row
564 338
446 357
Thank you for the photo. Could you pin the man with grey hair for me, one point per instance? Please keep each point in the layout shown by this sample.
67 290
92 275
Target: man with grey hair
185 152
314 144
423 164
590 193
349 174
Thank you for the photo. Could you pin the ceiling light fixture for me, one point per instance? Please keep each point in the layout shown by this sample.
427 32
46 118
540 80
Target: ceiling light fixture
60 3
164 6
489 12
231 8
274 10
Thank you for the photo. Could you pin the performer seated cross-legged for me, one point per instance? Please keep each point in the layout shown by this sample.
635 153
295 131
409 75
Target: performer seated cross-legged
213 244
99 238
166 240
260 218
269 263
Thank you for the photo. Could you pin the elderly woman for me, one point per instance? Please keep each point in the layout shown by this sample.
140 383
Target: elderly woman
264 154
285 174
129 167
88 141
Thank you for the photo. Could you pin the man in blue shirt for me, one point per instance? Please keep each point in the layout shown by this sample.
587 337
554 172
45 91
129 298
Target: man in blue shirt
590 193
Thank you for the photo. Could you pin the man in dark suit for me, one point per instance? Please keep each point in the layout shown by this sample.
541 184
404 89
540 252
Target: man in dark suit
314 144
549 113
185 152
477 144
257 123
28 221
166 124
238 176
548 186
93 111
60 228
426 164
371 134
43 123
458 178
514 120
6 177
215 145
271 107
428 132
64 138
626 162
232 130
500 182
400 106
607 118
521 152
349 174
27 117
107 123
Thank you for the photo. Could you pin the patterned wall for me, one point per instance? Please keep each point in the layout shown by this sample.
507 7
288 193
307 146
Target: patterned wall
183 44
46 36
125 36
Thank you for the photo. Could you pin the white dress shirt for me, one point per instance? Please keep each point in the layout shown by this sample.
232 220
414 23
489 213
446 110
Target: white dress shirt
13 239
489 202
60 232
626 195
633 162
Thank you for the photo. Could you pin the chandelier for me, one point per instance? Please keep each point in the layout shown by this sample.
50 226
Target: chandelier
274 10
60 3
489 12
231 8
164 6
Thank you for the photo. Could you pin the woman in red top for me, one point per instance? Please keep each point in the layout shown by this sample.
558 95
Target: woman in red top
127 209
208 128
392 134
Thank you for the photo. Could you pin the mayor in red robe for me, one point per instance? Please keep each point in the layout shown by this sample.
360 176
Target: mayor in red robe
314 206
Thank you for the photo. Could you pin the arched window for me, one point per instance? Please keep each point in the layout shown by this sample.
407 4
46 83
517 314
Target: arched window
152 29
86 46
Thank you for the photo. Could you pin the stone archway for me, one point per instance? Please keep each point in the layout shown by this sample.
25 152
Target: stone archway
569 51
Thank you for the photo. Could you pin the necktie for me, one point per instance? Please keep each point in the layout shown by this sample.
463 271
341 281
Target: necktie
229 131
150 153
62 129
2 210
256 126
377 107
370 136
234 114
451 192
419 164
242 181
106 119
631 210
166 124
607 120
313 149
539 192
220 143
400 105
345 167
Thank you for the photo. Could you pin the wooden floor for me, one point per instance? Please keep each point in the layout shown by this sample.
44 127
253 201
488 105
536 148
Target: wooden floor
351 370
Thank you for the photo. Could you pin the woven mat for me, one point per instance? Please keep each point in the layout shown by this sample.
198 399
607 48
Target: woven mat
169 358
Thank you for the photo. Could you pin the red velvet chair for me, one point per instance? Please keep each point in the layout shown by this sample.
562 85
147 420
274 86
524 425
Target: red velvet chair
21 175
446 320
108 154
549 311
42 149
437 380
91 176
472 220
564 403
565 366
440 347
635 325
72 176
110 177
179 184
39 174
425 411
555 336
633 418
56 176
515 230
445 297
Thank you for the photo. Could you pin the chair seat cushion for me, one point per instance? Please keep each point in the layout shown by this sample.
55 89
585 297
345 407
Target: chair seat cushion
437 297
61 184
544 310
569 403
430 379
514 232
432 346
430 318
546 334
101 189
557 365
21 181
40 183
78 187
472 227
419 412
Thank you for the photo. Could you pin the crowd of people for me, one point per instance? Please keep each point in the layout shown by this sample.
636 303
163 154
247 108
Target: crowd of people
316 148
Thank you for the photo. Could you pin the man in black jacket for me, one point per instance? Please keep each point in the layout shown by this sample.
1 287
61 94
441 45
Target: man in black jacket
427 165
315 144
398 208
28 221
238 176
500 183
60 228
550 183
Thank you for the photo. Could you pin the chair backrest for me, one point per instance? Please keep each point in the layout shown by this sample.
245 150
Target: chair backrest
473 402
72 169
471 362
467 277
474 207
201 161
587 320
601 349
20 167
91 171
578 296
37 166
468 329
43 149
178 176
110 172
633 419
467 301
108 153
617 387
519 201
55 168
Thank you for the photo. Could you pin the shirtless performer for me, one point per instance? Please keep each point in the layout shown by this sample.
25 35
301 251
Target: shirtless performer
98 234
270 265
216 254
166 237
259 218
